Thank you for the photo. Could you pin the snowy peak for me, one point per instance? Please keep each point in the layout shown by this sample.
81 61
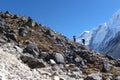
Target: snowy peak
115 20
84 33
104 36
100 33
93 34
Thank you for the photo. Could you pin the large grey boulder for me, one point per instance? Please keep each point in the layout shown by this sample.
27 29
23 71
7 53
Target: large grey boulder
59 58
31 61
32 49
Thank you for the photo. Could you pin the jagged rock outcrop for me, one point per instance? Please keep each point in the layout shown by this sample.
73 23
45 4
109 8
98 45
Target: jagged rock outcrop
47 54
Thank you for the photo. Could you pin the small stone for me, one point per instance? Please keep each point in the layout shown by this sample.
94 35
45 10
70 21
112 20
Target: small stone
78 59
2 41
30 22
94 76
50 32
55 68
117 78
20 50
52 62
22 32
56 78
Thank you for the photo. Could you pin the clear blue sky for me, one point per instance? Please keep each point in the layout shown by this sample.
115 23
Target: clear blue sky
69 17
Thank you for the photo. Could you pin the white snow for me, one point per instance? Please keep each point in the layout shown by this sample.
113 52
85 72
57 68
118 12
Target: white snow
100 33
114 23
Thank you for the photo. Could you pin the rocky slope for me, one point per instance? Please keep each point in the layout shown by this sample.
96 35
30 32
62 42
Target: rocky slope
31 51
105 37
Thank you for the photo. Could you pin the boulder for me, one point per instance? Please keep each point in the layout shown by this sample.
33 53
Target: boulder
20 50
22 32
109 78
7 14
72 47
55 68
49 32
47 56
1 28
59 58
30 22
58 40
84 54
55 78
117 78
62 67
94 76
117 63
32 49
77 73
79 60
106 67
44 55
109 57
11 36
61 78
14 16
31 61
24 18
71 67
2 41
4 26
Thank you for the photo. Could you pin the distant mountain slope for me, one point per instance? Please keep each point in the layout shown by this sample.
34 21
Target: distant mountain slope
105 37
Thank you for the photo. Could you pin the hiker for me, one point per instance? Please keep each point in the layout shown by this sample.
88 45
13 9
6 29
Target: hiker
74 38
83 41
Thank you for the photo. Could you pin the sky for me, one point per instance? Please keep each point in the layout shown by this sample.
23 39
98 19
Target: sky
69 17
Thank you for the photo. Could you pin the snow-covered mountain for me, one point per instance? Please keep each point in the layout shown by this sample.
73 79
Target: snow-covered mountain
106 37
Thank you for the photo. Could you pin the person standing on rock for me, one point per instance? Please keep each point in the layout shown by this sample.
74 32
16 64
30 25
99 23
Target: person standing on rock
74 38
83 41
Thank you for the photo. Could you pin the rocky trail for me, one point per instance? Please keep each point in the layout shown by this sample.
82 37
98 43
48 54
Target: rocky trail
32 51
